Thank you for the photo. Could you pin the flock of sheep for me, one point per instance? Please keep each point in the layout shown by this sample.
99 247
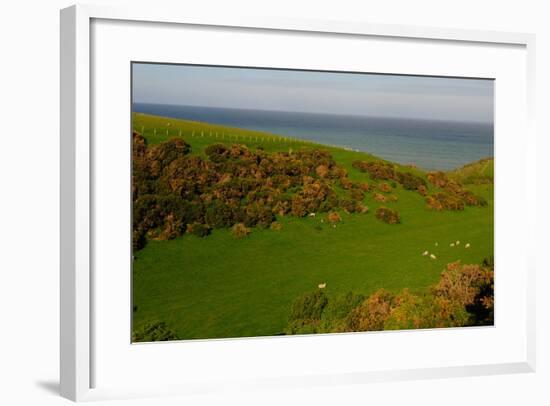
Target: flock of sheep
453 244
425 253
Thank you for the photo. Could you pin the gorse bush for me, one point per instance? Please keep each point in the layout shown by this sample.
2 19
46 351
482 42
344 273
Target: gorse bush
410 181
239 230
199 229
173 188
306 312
371 314
464 296
454 197
174 191
376 170
389 216
444 201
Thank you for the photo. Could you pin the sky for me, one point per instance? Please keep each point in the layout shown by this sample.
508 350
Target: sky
375 95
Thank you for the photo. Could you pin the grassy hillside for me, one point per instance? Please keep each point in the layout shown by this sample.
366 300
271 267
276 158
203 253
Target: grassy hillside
479 172
220 286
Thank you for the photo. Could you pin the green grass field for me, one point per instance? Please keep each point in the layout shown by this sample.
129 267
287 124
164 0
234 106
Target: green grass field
220 286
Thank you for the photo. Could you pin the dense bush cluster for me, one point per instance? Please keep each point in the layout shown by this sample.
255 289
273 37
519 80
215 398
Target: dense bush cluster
389 216
376 170
444 201
454 197
410 181
464 296
385 171
176 192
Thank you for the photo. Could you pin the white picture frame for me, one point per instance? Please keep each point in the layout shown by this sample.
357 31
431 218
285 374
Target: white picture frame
77 323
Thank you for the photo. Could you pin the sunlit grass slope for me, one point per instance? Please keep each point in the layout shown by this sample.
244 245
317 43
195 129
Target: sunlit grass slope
220 286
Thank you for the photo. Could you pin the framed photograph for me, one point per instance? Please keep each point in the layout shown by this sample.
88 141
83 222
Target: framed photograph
269 202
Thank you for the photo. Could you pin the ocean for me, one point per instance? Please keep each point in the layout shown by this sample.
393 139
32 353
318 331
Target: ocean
428 144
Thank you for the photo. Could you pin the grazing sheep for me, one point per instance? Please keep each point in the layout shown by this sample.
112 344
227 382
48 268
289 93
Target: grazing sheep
432 256
322 285
457 242
436 244
425 253
452 244
311 214
467 245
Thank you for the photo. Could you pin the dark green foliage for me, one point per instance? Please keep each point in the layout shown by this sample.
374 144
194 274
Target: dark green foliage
155 331
410 181
239 230
376 169
314 312
455 195
444 201
172 189
357 194
218 214
387 215
350 206
463 296
198 229
306 312
217 152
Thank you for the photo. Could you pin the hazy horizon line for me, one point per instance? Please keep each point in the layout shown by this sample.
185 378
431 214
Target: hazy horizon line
491 122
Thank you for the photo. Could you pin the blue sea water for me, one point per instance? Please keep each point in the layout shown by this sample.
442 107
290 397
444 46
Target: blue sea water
428 144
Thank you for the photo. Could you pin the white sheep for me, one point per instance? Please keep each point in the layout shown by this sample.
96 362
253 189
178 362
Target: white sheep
311 214
322 285
432 256
457 242
425 253
436 244
452 244
467 245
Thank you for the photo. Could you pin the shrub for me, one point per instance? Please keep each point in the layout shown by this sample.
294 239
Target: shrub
154 331
439 179
357 194
322 171
349 206
276 226
425 311
138 239
346 183
218 214
334 217
217 152
198 229
422 190
365 187
306 312
384 187
444 201
410 181
259 214
239 230
387 215
473 200
372 313
376 170
379 198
